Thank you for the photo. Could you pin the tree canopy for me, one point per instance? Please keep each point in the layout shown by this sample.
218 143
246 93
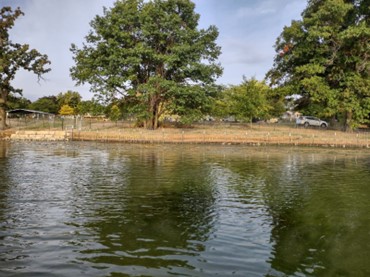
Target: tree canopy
15 56
66 110
151 55
14 102
324 57
70 98
91 107
252 99
47 104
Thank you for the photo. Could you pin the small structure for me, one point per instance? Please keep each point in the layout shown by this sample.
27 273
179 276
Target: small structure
291 115
29 113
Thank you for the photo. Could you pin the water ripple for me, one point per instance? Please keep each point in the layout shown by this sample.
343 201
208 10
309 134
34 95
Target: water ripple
73 209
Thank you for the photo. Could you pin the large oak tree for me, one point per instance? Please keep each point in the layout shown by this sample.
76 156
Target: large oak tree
13 57
152 56
324 57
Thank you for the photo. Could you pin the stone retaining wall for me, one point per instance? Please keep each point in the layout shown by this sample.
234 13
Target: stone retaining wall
40 135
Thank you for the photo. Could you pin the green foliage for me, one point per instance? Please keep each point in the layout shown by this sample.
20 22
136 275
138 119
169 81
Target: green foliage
47 104
245 101
13 57
90 107
152 56
18 102
115 113
66 110
325 57
70 98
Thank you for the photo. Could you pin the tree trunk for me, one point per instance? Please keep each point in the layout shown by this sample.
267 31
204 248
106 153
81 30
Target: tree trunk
155 118
348 121
3 97
152 122
2 117
154 113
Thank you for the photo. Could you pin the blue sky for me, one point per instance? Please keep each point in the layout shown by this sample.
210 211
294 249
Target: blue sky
248 30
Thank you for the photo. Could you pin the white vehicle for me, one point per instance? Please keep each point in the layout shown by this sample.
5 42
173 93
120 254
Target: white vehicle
307 121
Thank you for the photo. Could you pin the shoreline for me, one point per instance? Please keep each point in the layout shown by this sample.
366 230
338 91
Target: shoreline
253 136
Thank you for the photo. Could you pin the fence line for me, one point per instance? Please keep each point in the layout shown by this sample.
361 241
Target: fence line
226 133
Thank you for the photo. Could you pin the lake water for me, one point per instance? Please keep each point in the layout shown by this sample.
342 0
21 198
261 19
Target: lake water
93 209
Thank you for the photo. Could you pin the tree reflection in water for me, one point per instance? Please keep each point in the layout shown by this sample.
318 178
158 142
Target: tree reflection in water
144 210
319 210
158 214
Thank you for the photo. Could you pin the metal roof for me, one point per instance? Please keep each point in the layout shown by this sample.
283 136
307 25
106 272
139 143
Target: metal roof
25 111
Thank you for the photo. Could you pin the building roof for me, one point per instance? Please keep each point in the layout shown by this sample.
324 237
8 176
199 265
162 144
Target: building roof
25 111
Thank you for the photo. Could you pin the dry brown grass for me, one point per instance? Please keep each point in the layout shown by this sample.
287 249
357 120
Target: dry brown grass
249 134
240 134
6 133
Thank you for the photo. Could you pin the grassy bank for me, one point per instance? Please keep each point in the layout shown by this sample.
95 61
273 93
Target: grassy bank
226 134
248 134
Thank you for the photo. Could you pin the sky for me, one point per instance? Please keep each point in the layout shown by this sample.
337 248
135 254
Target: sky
247 33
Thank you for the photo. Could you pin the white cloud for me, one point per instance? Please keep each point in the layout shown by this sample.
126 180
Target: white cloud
50 26
247 12
243 51
248 30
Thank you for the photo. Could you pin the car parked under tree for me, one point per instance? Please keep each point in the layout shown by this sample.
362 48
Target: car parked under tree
307 121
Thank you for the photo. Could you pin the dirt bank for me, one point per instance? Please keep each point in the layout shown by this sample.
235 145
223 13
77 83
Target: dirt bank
260 135
247 135
5 134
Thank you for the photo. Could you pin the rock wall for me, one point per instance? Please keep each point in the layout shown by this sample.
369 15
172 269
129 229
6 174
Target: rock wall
40 135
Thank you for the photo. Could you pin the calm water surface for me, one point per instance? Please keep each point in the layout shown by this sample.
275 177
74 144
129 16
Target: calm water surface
90 209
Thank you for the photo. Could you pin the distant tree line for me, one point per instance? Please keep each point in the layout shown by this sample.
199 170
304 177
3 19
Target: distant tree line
249 100
150 60
67 103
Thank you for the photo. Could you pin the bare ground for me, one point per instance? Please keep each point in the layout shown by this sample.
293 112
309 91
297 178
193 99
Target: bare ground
265 134
249 135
